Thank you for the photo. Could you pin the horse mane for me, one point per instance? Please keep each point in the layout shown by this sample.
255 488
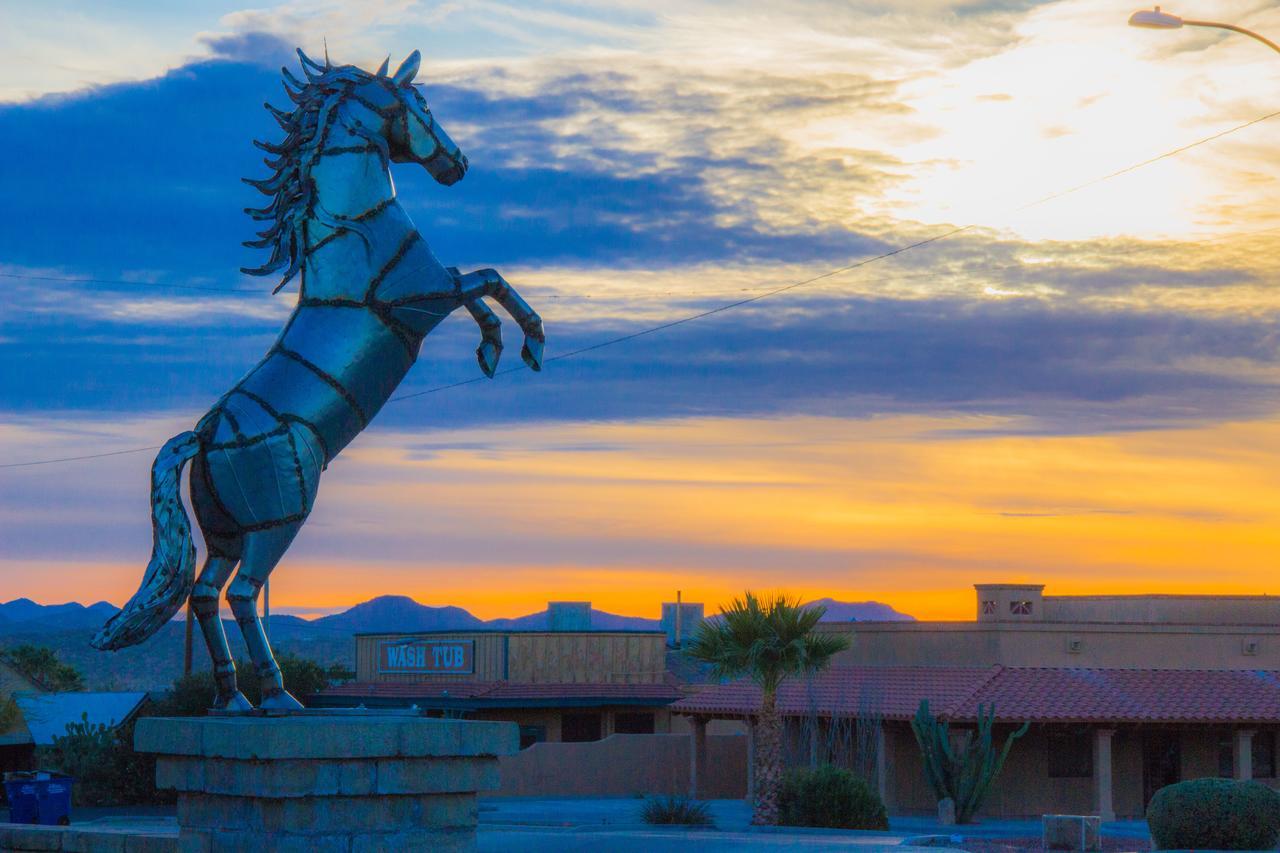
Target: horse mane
306 129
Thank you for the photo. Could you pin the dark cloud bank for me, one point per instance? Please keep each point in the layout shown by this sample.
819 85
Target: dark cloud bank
145 177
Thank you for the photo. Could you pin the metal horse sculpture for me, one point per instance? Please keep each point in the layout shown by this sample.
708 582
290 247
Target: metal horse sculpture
370 291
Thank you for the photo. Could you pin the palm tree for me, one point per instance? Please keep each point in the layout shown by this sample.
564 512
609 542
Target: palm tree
766 640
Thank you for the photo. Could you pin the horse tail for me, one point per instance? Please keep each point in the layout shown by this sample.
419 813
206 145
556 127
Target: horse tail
171 572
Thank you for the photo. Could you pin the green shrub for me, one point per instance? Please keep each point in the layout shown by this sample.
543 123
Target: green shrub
831 797
1214 814
681 810
106 770
42 665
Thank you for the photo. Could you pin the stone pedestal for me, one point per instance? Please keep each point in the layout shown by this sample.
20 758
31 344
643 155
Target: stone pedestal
326 782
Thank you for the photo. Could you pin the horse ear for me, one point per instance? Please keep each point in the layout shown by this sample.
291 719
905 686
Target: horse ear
408 69
382 69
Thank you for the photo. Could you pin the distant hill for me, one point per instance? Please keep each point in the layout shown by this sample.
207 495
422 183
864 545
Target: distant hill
600 621
398 613
23 614
859 611
153 665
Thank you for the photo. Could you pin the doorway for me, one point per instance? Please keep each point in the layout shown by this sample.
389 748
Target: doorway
1161 762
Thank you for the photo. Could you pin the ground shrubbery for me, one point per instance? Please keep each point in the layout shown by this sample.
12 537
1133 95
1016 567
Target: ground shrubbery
831 797
676 810
192 694
106 770
1215 814
102 761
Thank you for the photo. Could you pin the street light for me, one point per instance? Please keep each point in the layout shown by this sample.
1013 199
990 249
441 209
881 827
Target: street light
1158 20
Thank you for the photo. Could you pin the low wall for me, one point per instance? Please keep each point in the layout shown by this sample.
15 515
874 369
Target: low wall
624 765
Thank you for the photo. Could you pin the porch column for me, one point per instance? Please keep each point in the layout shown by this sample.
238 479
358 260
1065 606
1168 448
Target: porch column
698 758
751 759
882 765
1102 773
1243 754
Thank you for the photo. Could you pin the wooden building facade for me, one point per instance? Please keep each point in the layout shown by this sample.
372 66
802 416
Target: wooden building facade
571 686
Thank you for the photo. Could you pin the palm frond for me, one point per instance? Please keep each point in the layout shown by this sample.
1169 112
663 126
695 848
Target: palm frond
765 639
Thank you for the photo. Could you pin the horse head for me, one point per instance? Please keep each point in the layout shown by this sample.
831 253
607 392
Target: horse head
406 124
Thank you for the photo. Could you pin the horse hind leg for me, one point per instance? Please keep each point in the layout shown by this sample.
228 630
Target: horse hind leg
263 550
204 601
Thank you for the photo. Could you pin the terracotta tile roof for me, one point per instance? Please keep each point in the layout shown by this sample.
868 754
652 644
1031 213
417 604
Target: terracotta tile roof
505 692
1045 694
411 689
1129 695
894 692
656 692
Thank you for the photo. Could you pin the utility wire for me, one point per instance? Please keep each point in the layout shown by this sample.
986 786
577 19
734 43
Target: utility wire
741 302
78 458
648 294
655 294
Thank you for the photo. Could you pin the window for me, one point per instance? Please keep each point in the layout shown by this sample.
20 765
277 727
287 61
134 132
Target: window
1070 752
1264 755
988 607
575 728
1020 608
633 723
529 735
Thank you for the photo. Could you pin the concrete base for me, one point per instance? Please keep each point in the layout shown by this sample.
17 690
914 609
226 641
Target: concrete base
326 783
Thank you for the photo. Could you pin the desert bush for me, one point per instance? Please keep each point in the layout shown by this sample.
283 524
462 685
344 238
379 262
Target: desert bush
831 797
192 695
676 810
1214 814
106 770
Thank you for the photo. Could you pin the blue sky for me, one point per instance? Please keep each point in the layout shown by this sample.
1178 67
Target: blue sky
633 164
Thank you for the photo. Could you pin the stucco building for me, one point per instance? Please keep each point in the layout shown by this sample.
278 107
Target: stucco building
1124 693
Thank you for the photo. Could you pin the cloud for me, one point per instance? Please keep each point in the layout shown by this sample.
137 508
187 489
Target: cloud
256 48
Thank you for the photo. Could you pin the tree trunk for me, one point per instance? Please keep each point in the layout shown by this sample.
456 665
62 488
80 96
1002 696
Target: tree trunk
768 733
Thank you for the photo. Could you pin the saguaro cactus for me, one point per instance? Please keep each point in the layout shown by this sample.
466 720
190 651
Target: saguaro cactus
962 770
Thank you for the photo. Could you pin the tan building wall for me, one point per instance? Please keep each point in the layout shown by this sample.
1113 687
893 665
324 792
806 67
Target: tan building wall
625 765
1025 789
623 657
1027 602
1132 646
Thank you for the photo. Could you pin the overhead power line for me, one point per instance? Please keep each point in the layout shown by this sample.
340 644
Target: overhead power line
741 302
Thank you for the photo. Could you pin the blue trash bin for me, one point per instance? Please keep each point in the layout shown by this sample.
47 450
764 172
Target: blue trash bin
43 798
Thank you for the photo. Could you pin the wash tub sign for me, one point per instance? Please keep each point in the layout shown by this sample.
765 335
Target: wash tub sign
413 656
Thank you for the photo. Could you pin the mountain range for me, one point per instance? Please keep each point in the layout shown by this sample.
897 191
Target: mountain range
391 613
153 665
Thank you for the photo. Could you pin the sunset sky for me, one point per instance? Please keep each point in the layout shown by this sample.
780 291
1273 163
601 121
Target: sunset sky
1083 392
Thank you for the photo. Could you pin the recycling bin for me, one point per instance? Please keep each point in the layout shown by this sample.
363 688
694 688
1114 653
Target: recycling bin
38 797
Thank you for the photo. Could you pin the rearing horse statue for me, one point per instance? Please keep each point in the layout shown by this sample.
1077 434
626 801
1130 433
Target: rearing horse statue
371 290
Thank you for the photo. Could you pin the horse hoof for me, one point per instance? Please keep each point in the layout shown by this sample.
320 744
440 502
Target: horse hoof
487 355
282 701
235 703
531 352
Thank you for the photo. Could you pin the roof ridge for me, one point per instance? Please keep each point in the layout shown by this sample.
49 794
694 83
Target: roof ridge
954 708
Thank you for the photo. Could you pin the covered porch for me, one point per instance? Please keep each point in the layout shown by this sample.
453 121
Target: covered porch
1101 741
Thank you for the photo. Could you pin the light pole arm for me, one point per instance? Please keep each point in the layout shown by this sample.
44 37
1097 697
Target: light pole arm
1250 33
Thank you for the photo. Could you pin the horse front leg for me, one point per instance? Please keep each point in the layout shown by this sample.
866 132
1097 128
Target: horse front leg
474 286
